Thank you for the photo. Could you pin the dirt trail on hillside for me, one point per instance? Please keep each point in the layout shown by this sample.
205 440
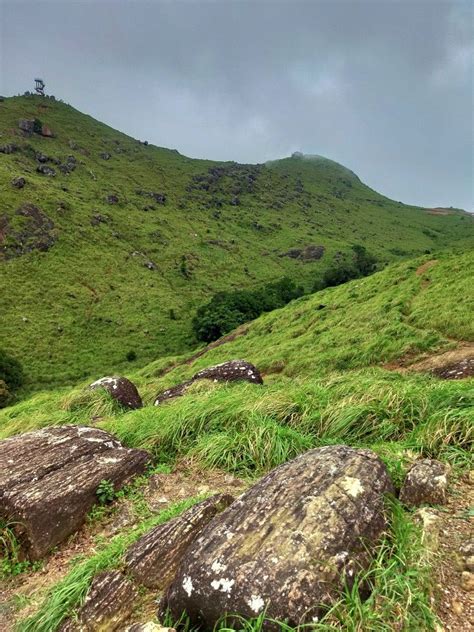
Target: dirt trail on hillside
459 360
21 596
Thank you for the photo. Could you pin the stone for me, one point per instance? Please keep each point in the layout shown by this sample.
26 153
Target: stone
108 604
289 544
98 218
467 581
10 148
308 253
49 479
42 157
18 183
152 560
425 483
105 156
232 371
112 199
46 131
27 125
45 170
122 390
430 523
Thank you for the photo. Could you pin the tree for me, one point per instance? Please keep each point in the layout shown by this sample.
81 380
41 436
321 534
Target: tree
11 371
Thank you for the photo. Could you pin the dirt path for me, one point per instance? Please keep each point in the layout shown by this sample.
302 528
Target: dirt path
23 595
453 603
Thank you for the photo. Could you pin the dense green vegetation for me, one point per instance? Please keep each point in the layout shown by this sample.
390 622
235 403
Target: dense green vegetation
129 240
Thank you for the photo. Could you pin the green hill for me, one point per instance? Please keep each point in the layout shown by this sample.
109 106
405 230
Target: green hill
113 254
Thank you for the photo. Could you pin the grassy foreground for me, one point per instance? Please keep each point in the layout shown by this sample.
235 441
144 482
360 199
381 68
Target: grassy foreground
328 363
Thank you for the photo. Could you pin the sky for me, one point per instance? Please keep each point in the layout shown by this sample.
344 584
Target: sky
384 87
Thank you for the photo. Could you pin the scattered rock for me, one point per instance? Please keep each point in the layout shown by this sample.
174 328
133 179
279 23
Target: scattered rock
45 170
46 131
107 606
308 253
231 371
10 148
36 233
430 523
425 483
112 199
27 125
153 559
18 183
467 581
456 371
49 479
122 390
288 545
97 219
41 157
105 156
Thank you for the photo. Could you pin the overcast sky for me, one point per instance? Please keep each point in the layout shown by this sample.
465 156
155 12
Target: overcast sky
384 87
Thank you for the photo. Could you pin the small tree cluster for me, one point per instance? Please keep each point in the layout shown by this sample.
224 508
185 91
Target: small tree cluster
358 264
11 376
227 310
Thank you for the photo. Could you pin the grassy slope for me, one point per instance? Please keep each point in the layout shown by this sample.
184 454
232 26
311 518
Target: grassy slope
77 309
325 382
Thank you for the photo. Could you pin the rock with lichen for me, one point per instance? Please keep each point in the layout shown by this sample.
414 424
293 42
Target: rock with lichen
425 483
289 545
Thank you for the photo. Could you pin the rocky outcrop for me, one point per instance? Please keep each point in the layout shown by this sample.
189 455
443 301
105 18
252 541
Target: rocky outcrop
36 232
107 606
232 371
289 544
49 479
425 483
27 126
308 253
152 561
122 390
45 170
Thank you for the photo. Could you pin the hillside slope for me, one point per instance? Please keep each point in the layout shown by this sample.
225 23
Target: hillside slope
339 366
114 252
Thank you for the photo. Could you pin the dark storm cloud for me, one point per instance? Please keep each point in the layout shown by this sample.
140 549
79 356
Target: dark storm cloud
384 87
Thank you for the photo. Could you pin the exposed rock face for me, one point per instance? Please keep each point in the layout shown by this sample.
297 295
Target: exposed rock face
49 478
426 482
308 253
456 371
121 389
153 559
289 543
232 371
107 606
18 183
36 233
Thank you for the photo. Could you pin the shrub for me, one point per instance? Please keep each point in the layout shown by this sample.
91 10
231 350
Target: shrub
37 126
4 394
131 356
227 310
11 371
358 263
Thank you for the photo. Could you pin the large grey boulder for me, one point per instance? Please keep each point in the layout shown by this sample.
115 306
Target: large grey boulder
231 371
289 544
154 558
49 479
121 389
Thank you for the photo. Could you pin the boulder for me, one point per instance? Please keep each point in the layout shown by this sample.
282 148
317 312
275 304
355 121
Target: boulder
289 544
27 125
122 390
152 560
105 155
49 479
107 605
232 371
46 131
45 170
18 183
425 483
8 149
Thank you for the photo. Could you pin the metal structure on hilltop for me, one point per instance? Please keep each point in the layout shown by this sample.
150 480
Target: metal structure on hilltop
40 86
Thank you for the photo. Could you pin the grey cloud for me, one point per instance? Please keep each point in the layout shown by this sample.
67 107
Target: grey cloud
383 87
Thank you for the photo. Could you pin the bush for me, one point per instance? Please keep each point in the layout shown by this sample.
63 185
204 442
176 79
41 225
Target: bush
227 310
37 126
358 264
4 394
11 371
131 356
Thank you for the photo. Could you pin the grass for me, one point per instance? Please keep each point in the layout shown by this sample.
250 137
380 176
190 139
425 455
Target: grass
84 306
